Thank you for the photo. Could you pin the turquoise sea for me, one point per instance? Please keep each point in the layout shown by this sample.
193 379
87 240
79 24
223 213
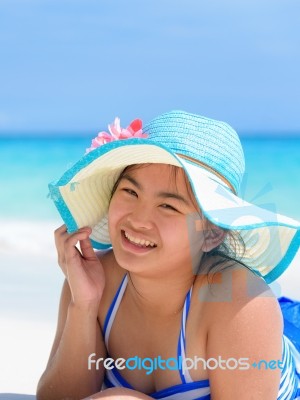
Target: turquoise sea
27 165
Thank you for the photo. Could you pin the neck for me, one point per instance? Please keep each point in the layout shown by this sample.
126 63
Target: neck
157 296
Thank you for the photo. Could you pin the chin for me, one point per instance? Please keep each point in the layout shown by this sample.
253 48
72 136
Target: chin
133 264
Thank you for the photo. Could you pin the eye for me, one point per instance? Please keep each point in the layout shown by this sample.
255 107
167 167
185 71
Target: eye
130 191
168 207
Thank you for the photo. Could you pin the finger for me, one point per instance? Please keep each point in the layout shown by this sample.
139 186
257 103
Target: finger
60 233
87 250
70 244
62 228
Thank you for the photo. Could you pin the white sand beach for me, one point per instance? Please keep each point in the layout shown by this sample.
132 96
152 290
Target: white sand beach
29 295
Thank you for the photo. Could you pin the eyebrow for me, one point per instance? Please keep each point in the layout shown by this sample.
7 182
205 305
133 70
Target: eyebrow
164 195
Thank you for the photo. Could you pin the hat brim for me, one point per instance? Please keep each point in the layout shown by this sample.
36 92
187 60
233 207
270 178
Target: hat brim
83 193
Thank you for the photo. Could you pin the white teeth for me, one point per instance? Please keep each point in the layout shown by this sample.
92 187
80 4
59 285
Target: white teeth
141 242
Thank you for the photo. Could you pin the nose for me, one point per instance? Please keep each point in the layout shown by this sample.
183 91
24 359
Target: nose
141 217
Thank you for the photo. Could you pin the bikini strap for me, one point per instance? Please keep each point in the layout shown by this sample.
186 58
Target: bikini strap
181 348
110 316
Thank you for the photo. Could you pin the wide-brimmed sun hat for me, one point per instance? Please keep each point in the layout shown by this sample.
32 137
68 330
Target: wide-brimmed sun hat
211 155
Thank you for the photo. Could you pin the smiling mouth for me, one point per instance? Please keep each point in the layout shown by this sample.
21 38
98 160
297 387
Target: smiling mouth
138 242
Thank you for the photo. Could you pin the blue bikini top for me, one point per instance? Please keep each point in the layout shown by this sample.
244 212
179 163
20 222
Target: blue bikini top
198 390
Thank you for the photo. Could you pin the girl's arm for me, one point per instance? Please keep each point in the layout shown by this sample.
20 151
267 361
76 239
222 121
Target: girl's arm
67 375
78 335
246 333
119 394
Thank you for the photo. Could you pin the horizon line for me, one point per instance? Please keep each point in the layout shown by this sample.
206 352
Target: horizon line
68 134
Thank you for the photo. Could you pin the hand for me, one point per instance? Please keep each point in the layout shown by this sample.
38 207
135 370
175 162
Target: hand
60 236
82 269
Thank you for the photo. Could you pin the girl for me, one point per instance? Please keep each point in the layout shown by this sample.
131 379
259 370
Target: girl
176 304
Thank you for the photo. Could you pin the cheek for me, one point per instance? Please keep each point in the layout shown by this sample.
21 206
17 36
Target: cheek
117 210
180 233
182 244
195 241
114 214
191 226
189 234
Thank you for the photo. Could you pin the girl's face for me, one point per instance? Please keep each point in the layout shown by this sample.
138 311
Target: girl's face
153 223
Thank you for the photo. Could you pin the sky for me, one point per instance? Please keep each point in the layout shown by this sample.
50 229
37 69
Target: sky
72 66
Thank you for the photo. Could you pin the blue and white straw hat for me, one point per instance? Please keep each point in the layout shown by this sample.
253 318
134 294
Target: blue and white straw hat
211 155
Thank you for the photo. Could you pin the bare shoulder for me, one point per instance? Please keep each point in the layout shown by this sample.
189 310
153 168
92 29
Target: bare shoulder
235 287
244 322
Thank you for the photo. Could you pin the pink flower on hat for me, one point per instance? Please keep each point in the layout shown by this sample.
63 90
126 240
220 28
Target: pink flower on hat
133 130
